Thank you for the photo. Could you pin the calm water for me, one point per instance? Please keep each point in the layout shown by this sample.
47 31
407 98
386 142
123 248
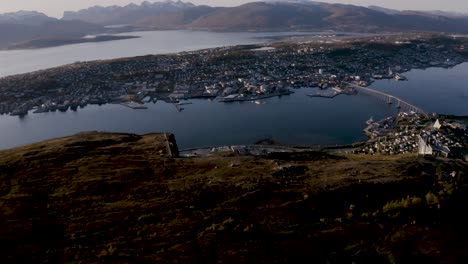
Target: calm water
438 90
294 119
151 42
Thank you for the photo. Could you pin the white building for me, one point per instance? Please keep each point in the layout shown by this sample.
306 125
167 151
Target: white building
424 147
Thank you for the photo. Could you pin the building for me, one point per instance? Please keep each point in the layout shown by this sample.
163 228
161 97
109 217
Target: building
424 147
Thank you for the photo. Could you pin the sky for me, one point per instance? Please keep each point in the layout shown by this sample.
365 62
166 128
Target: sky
56 7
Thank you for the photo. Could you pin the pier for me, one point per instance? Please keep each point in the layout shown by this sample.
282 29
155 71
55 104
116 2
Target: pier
403 105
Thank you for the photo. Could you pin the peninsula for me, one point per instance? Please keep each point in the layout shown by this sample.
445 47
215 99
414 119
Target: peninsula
54 42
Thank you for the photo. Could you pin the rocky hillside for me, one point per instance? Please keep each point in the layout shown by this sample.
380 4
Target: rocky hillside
25 26
271 15
304 15
129 14
99 197
25 18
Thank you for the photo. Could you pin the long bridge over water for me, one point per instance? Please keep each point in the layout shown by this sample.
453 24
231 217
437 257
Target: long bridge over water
390 99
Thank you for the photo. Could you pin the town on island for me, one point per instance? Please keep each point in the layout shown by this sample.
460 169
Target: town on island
346 66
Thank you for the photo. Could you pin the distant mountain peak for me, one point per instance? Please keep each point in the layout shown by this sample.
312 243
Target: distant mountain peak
128 14
452 14
24 17
271 15
290 1
384 10
24 13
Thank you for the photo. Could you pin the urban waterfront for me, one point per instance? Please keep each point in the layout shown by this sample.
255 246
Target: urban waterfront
293 119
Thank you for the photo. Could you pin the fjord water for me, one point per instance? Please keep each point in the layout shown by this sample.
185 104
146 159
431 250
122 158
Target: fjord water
150 42
293 119
436 90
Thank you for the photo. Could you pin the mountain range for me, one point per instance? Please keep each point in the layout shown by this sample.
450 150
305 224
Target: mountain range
25 18
24 26
312 16
273 15
129 14
291 15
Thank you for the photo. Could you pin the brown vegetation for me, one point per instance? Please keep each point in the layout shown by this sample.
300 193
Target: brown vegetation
97 197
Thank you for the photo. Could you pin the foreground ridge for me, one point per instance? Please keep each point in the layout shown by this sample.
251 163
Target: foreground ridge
96 197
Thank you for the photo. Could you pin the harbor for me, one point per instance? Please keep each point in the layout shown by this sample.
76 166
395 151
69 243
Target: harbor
229 73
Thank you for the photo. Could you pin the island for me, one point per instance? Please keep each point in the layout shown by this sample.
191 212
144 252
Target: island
54 42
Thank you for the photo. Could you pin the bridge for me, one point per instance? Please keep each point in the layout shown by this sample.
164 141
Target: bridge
403 105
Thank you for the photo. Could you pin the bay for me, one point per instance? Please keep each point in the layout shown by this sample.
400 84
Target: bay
293 119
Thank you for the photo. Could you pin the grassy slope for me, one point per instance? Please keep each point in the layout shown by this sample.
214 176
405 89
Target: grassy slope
100 197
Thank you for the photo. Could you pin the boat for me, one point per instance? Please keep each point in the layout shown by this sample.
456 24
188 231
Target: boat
184 103
399 77
40 110
178 107
229 98
377 76
370 121
134 105
147 99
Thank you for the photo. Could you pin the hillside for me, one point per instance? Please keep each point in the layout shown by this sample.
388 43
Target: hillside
61 41
25 18
176 20
304 15
129 14
26 26
100 197
13 32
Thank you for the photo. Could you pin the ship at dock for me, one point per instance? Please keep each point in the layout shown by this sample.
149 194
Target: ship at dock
400 77
242 97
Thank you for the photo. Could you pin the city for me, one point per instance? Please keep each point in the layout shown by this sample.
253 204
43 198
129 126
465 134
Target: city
231 73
